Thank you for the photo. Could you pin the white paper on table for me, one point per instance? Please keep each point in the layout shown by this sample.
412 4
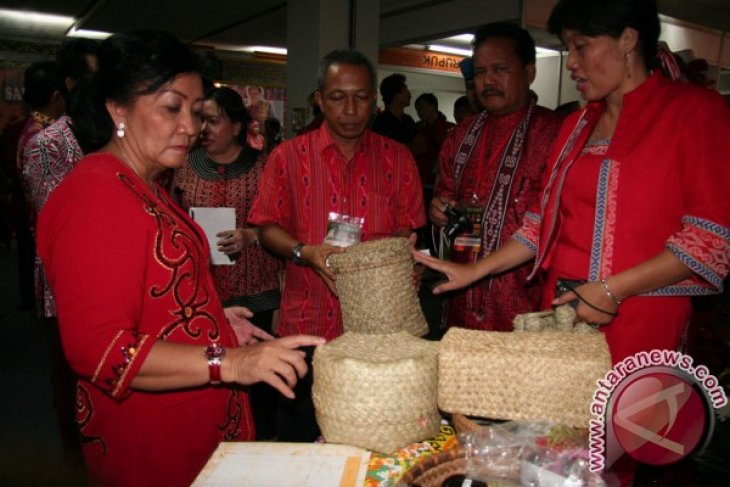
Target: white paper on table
275 464
214 221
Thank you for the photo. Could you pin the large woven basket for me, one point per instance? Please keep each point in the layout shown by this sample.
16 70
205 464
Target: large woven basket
521 376
376 391
375 287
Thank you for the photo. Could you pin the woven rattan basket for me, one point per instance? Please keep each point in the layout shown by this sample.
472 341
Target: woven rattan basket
376 391
521 376
375 287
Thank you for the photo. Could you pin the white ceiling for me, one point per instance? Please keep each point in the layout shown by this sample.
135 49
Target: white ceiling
254 22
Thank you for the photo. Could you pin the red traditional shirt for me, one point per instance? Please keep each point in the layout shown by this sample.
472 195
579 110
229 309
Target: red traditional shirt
129 268
252 281
480 306
308 177
662 183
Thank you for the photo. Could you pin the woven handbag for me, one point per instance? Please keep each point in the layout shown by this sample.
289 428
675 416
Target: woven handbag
376 391
375 287
521 376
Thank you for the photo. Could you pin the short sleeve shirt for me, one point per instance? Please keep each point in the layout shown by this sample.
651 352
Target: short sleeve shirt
308 177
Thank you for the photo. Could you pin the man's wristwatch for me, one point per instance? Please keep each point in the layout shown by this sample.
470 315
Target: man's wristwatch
214 353
296 254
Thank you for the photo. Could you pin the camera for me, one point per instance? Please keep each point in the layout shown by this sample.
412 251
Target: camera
458 223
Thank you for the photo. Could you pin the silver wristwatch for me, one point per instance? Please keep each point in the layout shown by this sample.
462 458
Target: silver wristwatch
296 254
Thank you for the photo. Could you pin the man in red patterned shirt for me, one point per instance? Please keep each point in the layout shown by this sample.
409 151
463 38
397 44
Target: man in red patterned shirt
343 168
490 168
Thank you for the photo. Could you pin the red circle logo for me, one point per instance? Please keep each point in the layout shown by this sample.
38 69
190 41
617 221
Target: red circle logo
659 418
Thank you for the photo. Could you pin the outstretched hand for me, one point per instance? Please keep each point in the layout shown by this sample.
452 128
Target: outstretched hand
276 362
246 332
457 275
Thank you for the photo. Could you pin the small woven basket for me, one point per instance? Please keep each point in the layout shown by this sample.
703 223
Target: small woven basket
531 376
376 391
434 470
375 287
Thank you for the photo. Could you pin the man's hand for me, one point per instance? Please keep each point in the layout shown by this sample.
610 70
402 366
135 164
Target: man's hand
436 210
246 332
315 256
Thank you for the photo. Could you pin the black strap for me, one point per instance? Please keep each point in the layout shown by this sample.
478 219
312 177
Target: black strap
590 305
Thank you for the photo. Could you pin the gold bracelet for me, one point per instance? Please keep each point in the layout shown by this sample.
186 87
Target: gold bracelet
609 293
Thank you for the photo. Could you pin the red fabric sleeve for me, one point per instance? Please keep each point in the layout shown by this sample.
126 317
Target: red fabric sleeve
410 213
273 202
445 183
703 244
97 270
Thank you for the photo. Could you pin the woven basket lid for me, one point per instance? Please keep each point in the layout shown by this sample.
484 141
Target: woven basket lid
367 255
375 287
376 391
533 376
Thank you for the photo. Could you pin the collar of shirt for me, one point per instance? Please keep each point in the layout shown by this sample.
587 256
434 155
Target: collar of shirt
326 142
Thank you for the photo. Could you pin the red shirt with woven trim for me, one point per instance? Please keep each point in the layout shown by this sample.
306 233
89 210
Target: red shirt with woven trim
481 306
308 177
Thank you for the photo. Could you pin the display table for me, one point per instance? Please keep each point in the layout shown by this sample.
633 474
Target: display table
316 465
386 470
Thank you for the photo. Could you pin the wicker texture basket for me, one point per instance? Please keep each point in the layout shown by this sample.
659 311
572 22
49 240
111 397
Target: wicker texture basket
434 470
376 391
521 376
375 287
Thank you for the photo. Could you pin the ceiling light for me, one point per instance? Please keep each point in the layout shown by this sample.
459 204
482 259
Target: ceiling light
88 34
449 50
268 49
37 18
542 52
466 38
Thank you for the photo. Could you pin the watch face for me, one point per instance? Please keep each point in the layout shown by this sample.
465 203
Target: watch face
214 351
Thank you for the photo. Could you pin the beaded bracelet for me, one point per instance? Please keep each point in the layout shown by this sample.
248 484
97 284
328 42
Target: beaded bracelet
609 293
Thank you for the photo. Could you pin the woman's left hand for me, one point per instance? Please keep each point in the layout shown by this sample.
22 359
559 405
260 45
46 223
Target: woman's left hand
593 293
246 332
233 241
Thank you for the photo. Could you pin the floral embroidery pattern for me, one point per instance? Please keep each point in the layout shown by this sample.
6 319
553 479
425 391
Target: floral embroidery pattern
84 413
181 255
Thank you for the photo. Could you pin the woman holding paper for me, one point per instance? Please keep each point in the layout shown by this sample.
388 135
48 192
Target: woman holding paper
223 174
157 359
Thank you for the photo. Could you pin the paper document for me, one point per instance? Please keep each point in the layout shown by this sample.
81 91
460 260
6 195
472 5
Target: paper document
214 221
274 464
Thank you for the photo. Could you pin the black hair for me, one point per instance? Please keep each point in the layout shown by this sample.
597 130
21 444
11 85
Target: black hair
344 56
230 102
131 65
610 17
40 81
71 57
84 115
462 103
273 122
391 86
522 40
429 98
